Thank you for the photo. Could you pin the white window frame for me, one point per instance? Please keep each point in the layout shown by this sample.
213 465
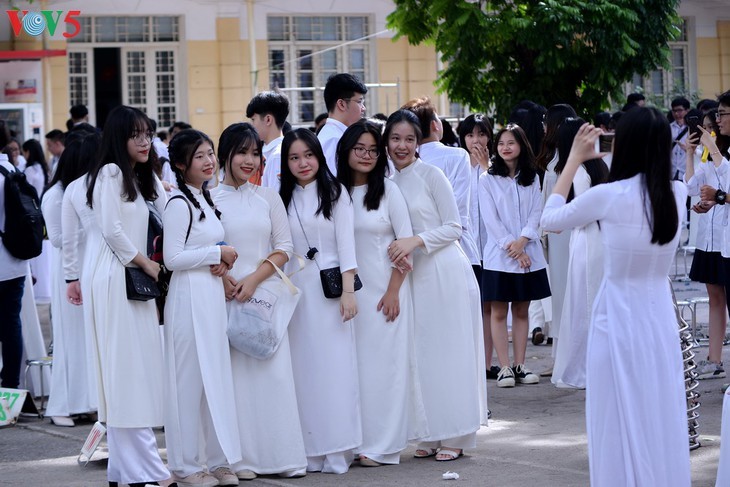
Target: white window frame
341 47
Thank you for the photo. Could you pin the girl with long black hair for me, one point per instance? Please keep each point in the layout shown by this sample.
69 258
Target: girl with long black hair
125 333
637 429
384 325
321 331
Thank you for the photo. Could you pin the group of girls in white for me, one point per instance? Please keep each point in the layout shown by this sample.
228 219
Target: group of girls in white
399 361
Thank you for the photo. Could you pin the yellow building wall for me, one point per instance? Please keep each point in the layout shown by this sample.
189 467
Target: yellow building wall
722 56
413 67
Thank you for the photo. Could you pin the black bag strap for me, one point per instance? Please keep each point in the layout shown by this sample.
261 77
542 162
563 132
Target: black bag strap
680 135
190 211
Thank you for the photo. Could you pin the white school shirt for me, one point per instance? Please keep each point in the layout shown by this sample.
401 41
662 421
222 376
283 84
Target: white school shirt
510 211
479 231
710 225
723 173
272 171
679 155
10 267
454 162
328 137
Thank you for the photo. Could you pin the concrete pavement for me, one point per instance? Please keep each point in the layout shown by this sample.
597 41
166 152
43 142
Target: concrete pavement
536 438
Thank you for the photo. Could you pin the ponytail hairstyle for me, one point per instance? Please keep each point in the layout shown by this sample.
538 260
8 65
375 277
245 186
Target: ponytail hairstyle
235 139
525 171
182 149
643 145
123 123
328 188
555 116
376 177
596 168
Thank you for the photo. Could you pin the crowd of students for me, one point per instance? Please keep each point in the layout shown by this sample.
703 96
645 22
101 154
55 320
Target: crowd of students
440 256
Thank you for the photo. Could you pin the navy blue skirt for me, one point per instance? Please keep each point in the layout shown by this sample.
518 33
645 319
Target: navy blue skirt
509 287
707 268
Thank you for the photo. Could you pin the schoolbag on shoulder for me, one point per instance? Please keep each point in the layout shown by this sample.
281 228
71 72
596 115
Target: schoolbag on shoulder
24 225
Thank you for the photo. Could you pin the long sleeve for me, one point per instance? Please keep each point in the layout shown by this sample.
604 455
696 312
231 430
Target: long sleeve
71 235
449 231
161 200
462 191
272 171
344 219
590 206
531 229
280 231
488 208
108 209
175 222
400 219
34 175
51 208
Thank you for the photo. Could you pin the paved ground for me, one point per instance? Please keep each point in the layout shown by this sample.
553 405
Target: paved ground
537 438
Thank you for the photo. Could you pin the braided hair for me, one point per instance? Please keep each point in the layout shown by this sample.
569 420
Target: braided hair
182 149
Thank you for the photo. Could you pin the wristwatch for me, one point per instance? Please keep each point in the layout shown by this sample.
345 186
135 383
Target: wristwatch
720 197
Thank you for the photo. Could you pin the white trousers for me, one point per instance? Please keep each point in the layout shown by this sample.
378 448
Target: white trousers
459 443
331 463
133 456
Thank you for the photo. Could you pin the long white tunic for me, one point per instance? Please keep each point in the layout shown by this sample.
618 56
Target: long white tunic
454 162
637 429
255 223
126 333
389 385
558 256
585 273
322 346
71 391
81 234
447 310
41 265
196 344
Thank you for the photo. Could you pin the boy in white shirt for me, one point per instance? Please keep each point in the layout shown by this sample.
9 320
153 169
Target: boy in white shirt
268 111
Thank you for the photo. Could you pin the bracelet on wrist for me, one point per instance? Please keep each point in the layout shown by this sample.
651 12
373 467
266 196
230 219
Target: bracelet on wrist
720 197
349 292
69 281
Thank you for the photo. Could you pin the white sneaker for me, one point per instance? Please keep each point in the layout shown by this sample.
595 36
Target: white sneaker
246 474
197 479
710 370
225 476
506 378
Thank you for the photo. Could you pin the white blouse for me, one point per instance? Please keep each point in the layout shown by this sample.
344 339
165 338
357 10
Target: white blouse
710 225
510 211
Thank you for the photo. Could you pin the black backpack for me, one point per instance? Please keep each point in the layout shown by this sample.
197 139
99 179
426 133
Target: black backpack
24 225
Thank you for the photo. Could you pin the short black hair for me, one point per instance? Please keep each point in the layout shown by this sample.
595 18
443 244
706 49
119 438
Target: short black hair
341 86
635 97
180 125
724 98
56 136
78 112
320 117
602 118
269 103
680 101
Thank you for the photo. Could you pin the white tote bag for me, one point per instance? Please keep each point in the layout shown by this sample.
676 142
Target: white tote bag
256 327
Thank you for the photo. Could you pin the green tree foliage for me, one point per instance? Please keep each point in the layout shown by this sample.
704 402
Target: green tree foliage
500 52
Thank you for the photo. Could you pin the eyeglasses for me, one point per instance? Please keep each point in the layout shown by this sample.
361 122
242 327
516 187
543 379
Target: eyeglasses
719 115
360 102
679 110
361 151
142 138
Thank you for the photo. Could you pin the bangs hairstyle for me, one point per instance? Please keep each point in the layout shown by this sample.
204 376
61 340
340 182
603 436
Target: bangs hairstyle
122 123
234 140
643 145
525 171
596 168
182 150
328 188
468 125
395 118
376 177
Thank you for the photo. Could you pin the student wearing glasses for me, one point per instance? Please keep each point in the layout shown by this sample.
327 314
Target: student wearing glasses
344 97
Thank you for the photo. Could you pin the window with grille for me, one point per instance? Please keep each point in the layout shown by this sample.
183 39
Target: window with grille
149 60
661 85
305 50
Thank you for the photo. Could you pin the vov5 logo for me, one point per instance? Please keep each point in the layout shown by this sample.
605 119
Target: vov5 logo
34 23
